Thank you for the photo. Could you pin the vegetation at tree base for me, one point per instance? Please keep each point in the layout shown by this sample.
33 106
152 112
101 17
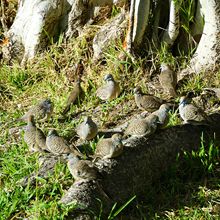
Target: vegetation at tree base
188 190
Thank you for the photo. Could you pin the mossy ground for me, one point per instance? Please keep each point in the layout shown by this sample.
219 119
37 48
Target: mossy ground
188 190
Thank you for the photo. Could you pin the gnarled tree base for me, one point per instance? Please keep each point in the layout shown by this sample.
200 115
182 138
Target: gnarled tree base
141 163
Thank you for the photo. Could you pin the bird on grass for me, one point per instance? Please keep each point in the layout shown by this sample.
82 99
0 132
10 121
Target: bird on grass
76 94
110 90
88 129
213 91
140 127
41 111
146 102
57 145
163 115
81 169
109 147
168 80
33 136
190 113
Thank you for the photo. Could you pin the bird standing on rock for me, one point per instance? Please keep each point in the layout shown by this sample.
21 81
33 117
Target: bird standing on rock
57 145
190 113
33 136
81 169
76 93
163 115
88 129
110 90
109 147
142 126
168 80
42 111
146 102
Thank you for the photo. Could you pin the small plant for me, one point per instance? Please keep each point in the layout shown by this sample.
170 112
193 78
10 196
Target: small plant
114 213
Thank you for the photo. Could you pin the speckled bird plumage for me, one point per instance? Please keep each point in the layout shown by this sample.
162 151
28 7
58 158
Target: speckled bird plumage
110 90
142 126
163 115
87 130
76 93
213 91
168 80
34 137
41 111
146 102
81 169
109 147
56 144
190 113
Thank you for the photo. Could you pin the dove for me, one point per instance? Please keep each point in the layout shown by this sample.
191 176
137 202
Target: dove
146 102
213 91
142 126
163 115
33 136
76 93
57 145
87 130
190 113
110 90
109 147
81 169
41 110
168 80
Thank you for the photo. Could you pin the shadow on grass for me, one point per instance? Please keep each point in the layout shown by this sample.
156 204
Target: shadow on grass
189 189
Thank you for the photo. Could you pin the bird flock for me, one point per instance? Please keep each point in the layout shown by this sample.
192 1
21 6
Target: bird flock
107 148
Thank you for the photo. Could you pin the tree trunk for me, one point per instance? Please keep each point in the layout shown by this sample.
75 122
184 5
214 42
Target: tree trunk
36 22
207 55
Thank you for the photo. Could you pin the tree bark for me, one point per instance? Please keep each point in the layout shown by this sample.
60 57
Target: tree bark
110 32
207 54
36 22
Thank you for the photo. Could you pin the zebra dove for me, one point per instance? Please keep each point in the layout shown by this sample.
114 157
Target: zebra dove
168 80
110 90
41 110
88 129
76 93
142 126
190 113
33 136
57 145
163 115
109 147
146 102
81 169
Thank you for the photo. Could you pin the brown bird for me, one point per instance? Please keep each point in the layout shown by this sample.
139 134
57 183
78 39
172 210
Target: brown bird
146 102
213 91
57 145
33 136
81 169
190 113
163 115
76 94
109 147
88 129
41 111
168 80
110 90
142 126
